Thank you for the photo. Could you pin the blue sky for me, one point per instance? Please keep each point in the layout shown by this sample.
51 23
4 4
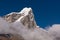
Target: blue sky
47 12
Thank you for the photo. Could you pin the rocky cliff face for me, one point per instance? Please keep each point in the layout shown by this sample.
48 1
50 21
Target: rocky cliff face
24 26
12 17
10 37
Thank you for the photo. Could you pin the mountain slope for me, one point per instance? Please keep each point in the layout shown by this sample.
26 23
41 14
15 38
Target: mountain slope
23 24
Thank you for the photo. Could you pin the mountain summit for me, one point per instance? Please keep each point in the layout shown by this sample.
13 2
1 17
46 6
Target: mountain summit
25 16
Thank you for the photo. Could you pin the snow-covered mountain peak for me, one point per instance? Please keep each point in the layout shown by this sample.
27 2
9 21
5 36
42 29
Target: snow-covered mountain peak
26 17
23 24
26 10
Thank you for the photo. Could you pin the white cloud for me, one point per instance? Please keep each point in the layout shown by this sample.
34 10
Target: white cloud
54 30
28 34
18 28
36 34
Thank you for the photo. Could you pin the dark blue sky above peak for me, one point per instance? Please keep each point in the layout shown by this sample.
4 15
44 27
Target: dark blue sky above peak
47 12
